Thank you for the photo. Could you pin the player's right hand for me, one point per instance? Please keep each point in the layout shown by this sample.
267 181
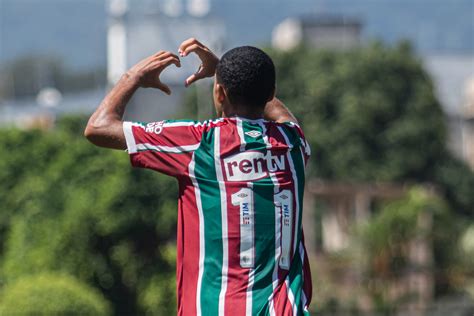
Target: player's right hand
147 72
208 59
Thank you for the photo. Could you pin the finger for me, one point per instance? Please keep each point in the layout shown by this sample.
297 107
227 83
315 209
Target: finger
159 53
166 55
192 48
194 77
163 87
163 63
187 43
170 60
154 60
190 80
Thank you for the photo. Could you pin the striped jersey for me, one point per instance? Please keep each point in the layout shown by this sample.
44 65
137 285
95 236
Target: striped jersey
240 248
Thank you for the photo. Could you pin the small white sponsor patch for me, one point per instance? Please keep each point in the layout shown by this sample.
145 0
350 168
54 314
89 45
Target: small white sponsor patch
154 127
244 200
284 202
253 134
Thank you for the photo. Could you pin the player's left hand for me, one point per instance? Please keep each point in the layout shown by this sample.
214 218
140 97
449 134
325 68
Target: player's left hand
208 59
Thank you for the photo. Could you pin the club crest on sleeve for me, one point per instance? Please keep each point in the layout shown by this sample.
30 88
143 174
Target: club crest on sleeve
253 134
154 127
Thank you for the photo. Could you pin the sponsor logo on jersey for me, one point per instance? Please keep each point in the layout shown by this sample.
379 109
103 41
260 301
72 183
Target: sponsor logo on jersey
252 165
154 127
253 134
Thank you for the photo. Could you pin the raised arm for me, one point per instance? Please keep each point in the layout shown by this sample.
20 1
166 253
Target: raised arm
104 128
276 111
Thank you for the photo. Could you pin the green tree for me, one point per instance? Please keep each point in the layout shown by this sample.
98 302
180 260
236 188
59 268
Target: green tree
50 294
70 207
370 114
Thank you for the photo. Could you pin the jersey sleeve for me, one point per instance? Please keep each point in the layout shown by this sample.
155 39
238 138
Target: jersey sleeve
305 148
165 146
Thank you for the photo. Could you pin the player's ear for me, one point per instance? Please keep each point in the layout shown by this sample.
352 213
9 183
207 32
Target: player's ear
220 92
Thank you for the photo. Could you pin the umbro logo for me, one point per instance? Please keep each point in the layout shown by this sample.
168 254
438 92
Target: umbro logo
253 134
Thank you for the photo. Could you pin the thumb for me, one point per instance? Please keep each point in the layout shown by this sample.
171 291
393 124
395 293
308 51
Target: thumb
191 79
163 87
195 76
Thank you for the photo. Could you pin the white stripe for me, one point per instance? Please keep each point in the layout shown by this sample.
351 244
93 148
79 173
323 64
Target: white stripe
168 149
225 249
302 157
297 209
191 123
136 124
177 124
304 299
255 121
291 296
248 306
265 137
276 187
129 138
202 247
277 257
240 131
249 292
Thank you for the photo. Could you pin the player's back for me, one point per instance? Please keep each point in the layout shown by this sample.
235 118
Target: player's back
240 242
250 177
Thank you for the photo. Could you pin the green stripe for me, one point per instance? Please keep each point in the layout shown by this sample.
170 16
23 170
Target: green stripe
296 281
205 172
264 229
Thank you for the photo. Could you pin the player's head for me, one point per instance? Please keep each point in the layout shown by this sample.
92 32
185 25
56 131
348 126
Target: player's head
245 79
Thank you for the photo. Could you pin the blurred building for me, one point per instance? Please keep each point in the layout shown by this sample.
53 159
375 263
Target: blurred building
41 111
138 29
318 31
467 123
135 30
453 77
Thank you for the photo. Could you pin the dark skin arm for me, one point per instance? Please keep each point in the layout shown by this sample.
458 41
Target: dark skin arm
104 128
276 111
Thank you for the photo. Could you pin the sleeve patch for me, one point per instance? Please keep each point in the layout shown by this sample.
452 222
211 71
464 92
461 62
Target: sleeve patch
155 127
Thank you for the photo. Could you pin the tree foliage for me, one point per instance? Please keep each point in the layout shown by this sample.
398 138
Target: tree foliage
70 207
370 114
49 294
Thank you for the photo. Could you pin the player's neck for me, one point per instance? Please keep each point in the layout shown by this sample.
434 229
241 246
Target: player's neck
242 111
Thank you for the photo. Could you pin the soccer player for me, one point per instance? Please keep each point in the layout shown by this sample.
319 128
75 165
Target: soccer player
241 178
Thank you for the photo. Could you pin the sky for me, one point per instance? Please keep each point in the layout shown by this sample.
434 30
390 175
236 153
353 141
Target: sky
75 30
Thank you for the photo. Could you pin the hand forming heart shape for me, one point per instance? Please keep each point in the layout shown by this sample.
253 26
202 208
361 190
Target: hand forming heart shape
147 72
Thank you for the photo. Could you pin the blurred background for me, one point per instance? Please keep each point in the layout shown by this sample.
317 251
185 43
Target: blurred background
383 89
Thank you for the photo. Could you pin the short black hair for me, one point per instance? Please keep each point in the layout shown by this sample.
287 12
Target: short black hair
248 75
